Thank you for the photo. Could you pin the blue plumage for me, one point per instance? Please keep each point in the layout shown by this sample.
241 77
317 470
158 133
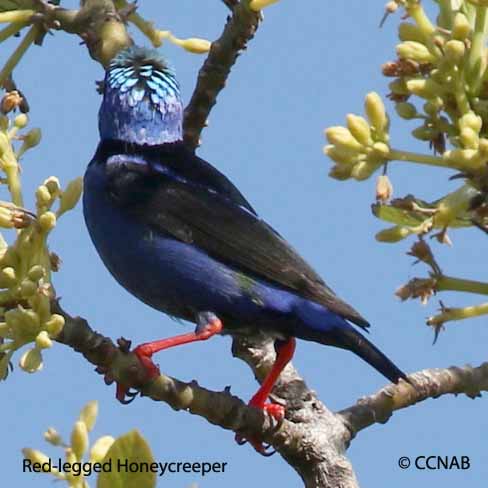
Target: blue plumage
141 102
179 235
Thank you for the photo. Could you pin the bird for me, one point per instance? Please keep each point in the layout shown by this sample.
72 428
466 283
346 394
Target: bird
178 235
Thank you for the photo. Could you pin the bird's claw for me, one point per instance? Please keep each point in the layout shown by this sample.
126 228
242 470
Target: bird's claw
123 392
263 449
277 412
126 394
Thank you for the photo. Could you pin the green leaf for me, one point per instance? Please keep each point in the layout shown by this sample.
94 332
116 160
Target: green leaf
397 215
130 448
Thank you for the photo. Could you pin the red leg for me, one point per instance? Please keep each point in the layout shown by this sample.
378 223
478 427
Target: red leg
208 325
284 354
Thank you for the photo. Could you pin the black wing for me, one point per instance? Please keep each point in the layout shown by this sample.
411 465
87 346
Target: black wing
217 223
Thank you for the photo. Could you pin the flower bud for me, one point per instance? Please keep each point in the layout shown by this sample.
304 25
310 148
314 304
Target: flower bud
340 155
43 307
36 272
341 137
8 257
88 414
100 448
391 7
52 184
384 188
257 5
463 158
483 147
469 138
32 138
406 110
71 195
359 128
340 172
37 457
415 51
362 170
410 32
21 121
196 46
193 44
43 196
454 51
31 360
43 341
28 288
47 221
7 277
54 325
25 320
381 149
460 27
79 439
52 436
424 88
393 234
70 458
6 218
472 121
375 110
424 133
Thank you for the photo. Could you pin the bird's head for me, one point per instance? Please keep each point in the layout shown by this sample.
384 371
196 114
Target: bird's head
141 99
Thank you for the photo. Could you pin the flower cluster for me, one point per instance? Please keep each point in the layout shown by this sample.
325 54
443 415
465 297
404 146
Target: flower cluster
439 81
361 147
26 264
76 450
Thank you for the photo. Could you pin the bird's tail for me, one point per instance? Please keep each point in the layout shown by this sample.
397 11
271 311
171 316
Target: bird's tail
321 325
354 341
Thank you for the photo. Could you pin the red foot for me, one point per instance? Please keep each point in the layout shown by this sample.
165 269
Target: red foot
276 411
152 371
284 353
144 357
207 326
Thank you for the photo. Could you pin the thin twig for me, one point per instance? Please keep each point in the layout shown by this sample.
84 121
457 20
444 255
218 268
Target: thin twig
428 383
239 30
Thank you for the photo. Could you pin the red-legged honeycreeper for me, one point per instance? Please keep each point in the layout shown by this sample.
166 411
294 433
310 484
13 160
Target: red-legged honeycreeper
178 235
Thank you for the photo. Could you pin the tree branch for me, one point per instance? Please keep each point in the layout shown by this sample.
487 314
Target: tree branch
428 383
312 439
239 30
317 445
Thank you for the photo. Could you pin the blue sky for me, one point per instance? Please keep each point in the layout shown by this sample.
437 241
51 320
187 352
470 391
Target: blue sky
307 67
